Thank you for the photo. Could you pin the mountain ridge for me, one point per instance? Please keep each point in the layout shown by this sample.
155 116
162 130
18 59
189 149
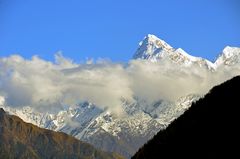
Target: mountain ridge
24 140
154 49
208 129
90 124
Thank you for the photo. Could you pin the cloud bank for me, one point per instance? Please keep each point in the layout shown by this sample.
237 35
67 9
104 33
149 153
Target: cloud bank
49 85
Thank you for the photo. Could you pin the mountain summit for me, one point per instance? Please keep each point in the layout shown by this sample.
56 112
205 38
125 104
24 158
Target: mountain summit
154 49
150 46
229 56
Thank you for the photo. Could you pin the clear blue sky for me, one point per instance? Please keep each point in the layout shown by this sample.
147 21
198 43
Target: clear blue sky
113 28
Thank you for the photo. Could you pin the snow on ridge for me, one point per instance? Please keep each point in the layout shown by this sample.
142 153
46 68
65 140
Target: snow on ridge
229 56
154 49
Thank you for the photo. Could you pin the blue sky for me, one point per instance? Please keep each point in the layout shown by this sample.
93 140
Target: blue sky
112 29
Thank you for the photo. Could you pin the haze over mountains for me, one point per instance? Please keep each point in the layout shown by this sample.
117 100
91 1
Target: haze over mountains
115 107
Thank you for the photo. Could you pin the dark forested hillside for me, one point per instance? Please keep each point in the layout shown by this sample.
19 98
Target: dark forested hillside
209 129
20 140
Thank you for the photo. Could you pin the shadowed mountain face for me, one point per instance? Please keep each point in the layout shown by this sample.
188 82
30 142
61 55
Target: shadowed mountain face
209 129
22 141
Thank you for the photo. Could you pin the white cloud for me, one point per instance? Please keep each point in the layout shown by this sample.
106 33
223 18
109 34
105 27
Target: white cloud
49 86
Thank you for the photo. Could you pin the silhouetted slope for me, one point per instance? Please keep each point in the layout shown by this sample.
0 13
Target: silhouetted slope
20 140
209 129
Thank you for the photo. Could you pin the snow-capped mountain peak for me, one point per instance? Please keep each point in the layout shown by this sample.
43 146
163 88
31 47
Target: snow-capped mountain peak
150 46
229 51
154 49
159 43
229 56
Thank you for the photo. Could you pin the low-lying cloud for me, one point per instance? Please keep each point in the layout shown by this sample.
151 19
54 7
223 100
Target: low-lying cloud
52 85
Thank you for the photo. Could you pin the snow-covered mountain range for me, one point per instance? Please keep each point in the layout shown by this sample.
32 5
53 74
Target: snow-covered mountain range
154 49
142 120
101 128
